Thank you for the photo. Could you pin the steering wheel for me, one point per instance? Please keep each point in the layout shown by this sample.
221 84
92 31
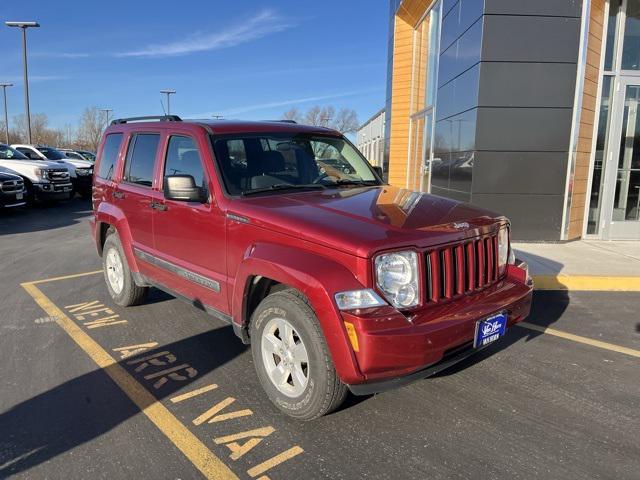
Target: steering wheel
324 175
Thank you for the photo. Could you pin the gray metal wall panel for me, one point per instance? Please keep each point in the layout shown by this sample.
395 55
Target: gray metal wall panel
509 84
459 95
559 8
458 20
519 172
533 217
510 38
457 133
524 129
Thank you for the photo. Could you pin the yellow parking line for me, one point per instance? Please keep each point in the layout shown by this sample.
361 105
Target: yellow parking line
65 277
586 283
193 393
577 338
201 457
272 462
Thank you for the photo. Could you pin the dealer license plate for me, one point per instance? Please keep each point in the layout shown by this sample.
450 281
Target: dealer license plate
490 329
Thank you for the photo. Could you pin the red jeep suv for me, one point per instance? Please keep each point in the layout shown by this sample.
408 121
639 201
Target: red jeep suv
338 281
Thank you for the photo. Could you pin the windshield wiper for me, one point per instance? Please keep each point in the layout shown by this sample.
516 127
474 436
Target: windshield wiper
346 181
284 186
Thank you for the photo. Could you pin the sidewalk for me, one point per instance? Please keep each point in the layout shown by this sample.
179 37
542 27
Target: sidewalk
583 265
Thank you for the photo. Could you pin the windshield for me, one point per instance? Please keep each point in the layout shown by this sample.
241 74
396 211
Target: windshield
88 156
74 155
281 161
8 153
51 153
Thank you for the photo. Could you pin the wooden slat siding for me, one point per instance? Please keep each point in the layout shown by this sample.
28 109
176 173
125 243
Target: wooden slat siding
407 16
587 120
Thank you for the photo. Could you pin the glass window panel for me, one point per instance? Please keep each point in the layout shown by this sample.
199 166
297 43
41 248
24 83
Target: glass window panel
109 155
415 159
631 41
426 155
598 166
434 40
183 158
426 39
612 34
626 198
627 201
141 159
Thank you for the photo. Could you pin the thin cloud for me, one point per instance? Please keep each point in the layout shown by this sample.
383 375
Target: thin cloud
265 23
18 79
286 103
60 54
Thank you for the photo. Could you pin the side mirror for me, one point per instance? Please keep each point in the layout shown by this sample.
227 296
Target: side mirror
183 188
378 171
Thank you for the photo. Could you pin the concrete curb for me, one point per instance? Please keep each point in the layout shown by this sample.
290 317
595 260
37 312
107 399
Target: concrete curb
586 283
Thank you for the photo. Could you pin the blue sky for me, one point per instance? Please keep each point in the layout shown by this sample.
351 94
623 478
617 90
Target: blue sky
242 59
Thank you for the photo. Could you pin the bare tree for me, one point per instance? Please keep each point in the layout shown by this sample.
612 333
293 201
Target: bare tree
293 114
92 123
345 121
41 133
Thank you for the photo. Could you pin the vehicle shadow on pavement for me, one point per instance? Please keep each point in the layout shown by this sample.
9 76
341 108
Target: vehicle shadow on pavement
91 405
44 216
546 309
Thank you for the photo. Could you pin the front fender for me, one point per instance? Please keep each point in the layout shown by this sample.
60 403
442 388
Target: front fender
318 278
112 215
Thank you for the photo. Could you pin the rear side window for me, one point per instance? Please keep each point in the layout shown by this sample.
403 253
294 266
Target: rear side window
109 155
183 159
141 158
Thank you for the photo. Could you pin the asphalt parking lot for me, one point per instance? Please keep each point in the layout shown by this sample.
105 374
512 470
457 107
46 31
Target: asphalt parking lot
89 389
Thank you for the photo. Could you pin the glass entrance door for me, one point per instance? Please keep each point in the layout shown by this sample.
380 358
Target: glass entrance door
622 173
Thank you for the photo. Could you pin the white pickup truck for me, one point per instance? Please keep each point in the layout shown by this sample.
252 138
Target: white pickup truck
43 180
81 171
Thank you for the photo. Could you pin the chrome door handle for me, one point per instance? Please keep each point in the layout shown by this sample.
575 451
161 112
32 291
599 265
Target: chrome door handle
158 206
118 194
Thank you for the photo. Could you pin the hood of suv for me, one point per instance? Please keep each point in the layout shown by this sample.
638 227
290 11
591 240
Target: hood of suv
7 174
365 220
17 165
76 162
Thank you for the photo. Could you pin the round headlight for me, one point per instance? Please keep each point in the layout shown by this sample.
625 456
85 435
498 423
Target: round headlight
397 278
393 270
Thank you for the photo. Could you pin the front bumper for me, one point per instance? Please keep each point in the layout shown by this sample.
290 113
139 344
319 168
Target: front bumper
9 199
394 349
52 191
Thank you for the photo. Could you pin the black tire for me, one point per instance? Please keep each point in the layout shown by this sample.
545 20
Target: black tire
324 391
131 294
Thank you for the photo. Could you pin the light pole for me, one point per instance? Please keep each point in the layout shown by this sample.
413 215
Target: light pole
23 26
168 93
106 111
6 116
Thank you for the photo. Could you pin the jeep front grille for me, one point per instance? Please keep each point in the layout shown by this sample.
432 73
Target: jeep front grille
462 268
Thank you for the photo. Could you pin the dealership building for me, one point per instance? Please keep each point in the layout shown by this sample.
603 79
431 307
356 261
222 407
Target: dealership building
525 107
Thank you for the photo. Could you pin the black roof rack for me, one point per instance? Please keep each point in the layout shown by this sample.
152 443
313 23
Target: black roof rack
160 118
284 120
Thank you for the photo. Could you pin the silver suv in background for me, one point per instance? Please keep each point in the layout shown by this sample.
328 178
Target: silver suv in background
43 180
